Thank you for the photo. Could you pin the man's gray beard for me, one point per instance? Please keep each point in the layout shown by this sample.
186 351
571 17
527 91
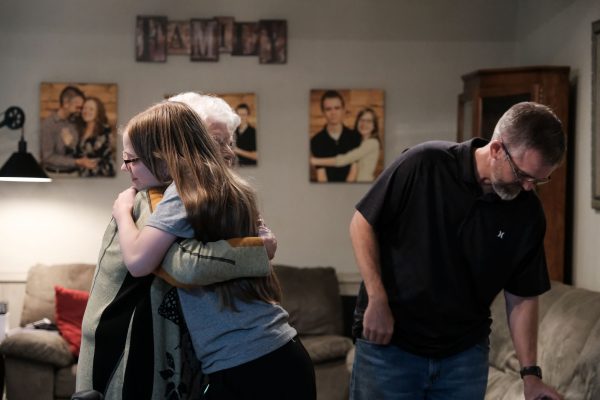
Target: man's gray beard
506 191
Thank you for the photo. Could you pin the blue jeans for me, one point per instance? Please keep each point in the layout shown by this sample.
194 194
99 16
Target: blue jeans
389 373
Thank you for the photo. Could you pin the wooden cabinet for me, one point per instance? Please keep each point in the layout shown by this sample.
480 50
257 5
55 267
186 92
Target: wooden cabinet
487 94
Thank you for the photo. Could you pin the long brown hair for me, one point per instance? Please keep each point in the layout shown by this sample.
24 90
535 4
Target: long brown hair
101 120
172 142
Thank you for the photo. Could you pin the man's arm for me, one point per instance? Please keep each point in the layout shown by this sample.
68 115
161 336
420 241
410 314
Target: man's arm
378 322
253 155
522 313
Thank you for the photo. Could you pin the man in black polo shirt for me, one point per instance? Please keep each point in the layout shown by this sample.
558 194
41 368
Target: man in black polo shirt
335 138
442 231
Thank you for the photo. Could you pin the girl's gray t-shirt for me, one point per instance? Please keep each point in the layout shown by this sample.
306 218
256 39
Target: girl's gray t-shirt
222 338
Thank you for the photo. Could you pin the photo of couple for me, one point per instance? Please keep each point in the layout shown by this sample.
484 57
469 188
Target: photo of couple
77 130
346 135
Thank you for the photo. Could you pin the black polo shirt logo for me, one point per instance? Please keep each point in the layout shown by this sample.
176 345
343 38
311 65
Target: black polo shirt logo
500 234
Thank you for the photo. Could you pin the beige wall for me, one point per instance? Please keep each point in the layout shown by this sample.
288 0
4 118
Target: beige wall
415 51
559 32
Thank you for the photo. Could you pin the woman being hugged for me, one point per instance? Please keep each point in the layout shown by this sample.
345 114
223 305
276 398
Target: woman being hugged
239 331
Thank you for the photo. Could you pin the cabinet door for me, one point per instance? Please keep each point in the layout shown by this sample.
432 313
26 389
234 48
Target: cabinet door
493 103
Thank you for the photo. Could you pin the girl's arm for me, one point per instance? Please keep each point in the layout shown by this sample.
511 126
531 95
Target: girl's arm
142 249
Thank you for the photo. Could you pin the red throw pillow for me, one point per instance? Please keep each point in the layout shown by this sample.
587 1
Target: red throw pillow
70 306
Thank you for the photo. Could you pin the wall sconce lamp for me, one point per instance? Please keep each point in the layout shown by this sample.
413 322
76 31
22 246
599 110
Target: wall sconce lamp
21 166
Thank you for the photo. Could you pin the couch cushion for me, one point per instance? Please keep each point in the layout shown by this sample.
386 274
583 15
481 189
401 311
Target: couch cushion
39 289
568 345
324 348
312 298
503 386
70 306
502 352
64 382
37 345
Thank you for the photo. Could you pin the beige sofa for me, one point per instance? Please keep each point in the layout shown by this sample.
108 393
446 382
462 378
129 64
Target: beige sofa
568 346
39 365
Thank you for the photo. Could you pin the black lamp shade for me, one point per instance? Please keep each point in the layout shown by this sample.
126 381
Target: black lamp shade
22 167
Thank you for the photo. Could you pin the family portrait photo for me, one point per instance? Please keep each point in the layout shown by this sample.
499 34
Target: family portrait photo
78 129
346 135
245 105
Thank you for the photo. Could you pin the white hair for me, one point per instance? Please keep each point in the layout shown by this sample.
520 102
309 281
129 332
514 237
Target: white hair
210 108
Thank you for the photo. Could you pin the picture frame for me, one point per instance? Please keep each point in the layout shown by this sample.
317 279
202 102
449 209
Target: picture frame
204 40
245 39
596 115
178 38
151 39
78 134
346 135
225 33
246 135
272 39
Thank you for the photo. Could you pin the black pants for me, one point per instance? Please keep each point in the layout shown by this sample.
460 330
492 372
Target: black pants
284 374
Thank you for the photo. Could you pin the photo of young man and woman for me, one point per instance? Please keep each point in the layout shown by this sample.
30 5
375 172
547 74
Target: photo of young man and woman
346 135
77 130
245 148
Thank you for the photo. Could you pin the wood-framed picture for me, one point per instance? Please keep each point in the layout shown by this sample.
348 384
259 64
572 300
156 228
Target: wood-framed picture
225 33
346 135
245 136
178 38
596 115
205 40
272 41
151 39
245 39
78 129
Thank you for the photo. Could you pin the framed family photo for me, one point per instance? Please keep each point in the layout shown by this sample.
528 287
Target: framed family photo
346 135
596 115
78 129
151 39
245 148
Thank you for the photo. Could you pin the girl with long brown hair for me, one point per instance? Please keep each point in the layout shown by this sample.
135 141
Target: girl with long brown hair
239 331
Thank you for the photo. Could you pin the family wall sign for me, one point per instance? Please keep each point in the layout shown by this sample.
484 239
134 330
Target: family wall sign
203 39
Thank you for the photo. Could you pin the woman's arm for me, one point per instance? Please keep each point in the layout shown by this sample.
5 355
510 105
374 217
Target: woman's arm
353 173
366 147
142 249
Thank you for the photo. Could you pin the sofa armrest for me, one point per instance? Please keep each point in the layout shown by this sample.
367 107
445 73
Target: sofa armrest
38 345
323 348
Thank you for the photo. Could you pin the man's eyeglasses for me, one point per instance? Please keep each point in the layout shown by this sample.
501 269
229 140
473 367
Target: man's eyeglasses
129 161
520 175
